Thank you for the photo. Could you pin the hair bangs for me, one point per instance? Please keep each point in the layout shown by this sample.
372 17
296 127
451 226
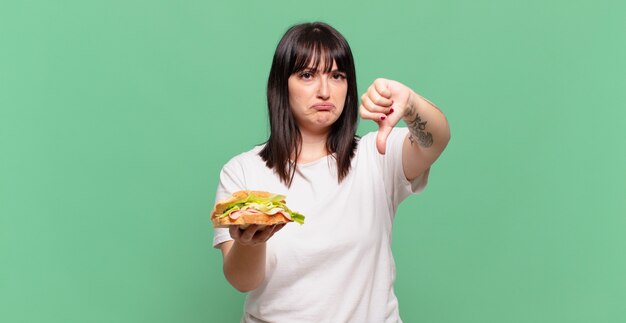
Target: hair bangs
315 50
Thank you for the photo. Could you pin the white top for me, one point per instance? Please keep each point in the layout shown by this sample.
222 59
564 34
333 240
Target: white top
338 265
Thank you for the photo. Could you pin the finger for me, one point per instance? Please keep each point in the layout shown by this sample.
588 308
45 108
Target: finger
381 137
382 87
377 98
366 114
367 102
276 229
247 234
234 231
263 235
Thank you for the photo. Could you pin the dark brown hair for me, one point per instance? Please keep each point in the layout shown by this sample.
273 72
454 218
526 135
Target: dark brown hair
302 46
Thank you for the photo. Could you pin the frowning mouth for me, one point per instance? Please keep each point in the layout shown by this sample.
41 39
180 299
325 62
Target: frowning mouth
323 106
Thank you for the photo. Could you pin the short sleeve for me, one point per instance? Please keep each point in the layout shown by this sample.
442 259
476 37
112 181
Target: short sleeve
396 184
231 180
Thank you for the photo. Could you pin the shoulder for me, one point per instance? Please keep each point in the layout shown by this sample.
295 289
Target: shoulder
245 159
237 172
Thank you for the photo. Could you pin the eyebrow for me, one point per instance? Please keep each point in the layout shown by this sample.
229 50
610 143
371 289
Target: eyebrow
317 69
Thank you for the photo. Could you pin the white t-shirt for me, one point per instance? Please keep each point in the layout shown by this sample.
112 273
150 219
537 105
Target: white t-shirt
338 265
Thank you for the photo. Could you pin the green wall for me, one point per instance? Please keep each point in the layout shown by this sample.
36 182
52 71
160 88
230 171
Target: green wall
116 117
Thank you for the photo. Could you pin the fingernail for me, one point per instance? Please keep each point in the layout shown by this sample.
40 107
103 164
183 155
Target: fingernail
383 117
391 110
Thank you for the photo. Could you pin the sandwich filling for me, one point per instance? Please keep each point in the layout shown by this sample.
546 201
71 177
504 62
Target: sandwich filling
271 205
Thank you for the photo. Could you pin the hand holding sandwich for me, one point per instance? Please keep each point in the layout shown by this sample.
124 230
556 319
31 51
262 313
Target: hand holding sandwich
253 234
252 218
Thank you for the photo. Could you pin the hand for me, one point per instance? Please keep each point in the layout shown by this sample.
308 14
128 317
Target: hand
385 102
253 234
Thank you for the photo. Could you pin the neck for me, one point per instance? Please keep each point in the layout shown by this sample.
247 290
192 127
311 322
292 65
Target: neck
313 147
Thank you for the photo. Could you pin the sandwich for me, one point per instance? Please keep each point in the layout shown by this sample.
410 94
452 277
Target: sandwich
253 207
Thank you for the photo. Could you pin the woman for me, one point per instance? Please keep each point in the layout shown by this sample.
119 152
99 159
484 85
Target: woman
338 266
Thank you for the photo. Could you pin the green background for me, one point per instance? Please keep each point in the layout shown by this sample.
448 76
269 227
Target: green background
116 117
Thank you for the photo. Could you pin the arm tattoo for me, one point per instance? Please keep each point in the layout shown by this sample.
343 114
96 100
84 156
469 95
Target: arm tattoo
417 132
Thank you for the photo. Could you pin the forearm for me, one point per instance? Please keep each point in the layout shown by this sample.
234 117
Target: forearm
244 266
427 125
429 134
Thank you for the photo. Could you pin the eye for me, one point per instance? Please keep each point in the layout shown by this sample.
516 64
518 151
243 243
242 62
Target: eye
306 75
339 76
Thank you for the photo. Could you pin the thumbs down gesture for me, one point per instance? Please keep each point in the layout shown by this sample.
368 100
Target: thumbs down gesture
386 102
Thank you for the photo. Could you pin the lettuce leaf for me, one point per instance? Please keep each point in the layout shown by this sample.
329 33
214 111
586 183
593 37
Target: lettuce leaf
261 200
297 217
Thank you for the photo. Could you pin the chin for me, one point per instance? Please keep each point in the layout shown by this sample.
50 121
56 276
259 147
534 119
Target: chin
325 122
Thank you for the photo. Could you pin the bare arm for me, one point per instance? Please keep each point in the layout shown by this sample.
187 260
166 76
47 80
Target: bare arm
428 136
244 257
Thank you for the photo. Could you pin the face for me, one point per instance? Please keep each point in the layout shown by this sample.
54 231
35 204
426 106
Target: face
317 98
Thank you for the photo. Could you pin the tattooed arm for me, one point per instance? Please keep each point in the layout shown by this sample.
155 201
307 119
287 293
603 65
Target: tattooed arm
387 102
428 136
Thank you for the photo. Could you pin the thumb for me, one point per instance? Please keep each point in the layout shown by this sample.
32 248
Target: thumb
381 137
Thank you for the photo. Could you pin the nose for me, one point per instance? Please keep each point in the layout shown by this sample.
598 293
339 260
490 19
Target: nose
323 90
